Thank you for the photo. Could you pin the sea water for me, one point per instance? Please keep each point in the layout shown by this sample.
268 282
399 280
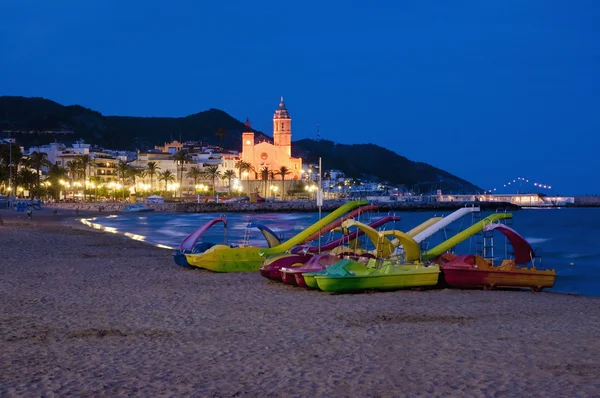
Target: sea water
564 239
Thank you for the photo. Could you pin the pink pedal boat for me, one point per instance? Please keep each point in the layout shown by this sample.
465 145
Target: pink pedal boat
271 269
318 262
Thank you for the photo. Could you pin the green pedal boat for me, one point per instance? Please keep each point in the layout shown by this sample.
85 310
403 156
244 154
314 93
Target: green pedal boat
351 276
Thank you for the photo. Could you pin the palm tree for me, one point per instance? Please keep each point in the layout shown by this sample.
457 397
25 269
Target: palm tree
26 178
194 173
229 174
123 171
214 173
265 173
74 168
167 177
221 133
84 161
39 160
283 171
247 167
55 174
96 181
152 169
134 173
180 158
10 157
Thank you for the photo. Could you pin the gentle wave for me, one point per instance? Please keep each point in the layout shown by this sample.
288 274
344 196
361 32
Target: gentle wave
534 241
573 256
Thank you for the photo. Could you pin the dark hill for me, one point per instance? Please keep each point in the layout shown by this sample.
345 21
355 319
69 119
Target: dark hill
45 121
70 123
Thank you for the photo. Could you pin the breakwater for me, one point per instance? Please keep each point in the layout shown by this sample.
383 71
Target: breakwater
330 205
278 207
587 201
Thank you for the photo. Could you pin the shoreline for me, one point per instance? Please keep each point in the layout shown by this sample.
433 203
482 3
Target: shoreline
89 313
274 207
84 221
103 208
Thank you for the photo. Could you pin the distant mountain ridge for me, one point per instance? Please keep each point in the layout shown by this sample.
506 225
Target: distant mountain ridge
127 132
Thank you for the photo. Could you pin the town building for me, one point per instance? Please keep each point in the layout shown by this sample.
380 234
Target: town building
264 155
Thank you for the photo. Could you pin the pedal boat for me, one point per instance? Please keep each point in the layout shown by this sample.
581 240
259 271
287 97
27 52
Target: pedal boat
271 268
295 275
192 244
473 271
352 276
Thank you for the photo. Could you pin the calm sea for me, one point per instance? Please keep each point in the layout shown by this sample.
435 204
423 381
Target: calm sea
565 239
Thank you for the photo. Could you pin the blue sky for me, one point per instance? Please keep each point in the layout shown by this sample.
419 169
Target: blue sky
487 90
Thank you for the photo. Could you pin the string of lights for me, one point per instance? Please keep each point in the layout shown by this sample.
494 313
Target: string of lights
519 182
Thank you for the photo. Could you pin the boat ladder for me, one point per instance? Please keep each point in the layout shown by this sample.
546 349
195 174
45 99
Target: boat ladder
509 251
478 237
487 244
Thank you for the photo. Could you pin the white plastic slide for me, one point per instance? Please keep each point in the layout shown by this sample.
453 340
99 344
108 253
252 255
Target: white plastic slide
463 211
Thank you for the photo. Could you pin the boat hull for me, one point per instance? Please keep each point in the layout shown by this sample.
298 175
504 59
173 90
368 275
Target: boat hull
300 280
379 282
475 278
272 267
179 259
388 277
310 281
221 258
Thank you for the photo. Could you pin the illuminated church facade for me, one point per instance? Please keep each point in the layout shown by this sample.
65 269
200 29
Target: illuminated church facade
275 155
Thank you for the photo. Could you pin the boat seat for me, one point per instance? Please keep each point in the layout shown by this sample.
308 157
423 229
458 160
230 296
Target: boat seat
507 265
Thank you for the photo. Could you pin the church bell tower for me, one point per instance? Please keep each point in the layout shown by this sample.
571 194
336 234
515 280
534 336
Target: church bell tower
282 128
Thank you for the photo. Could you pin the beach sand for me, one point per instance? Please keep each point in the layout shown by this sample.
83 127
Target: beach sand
87 313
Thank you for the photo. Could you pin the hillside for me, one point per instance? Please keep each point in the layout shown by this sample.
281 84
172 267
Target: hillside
39 115
46 121
373 162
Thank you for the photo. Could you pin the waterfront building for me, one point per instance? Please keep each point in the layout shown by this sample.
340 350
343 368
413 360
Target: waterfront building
523 200
264 155
201 156
103 163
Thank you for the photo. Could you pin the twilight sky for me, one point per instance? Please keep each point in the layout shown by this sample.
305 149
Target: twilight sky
487 90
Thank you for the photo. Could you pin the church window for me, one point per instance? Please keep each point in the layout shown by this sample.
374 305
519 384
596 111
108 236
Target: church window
282 126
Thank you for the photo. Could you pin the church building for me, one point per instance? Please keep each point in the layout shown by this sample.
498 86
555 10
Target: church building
274 155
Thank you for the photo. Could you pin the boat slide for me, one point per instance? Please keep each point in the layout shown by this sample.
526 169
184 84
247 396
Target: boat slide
383 246
464 235
334 224
314 229
411 239
523 251
421 227
444 222
349 237
188 243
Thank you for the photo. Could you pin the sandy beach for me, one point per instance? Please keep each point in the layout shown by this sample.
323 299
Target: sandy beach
87 313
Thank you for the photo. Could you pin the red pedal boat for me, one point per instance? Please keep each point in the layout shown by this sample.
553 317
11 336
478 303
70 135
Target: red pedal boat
473 271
